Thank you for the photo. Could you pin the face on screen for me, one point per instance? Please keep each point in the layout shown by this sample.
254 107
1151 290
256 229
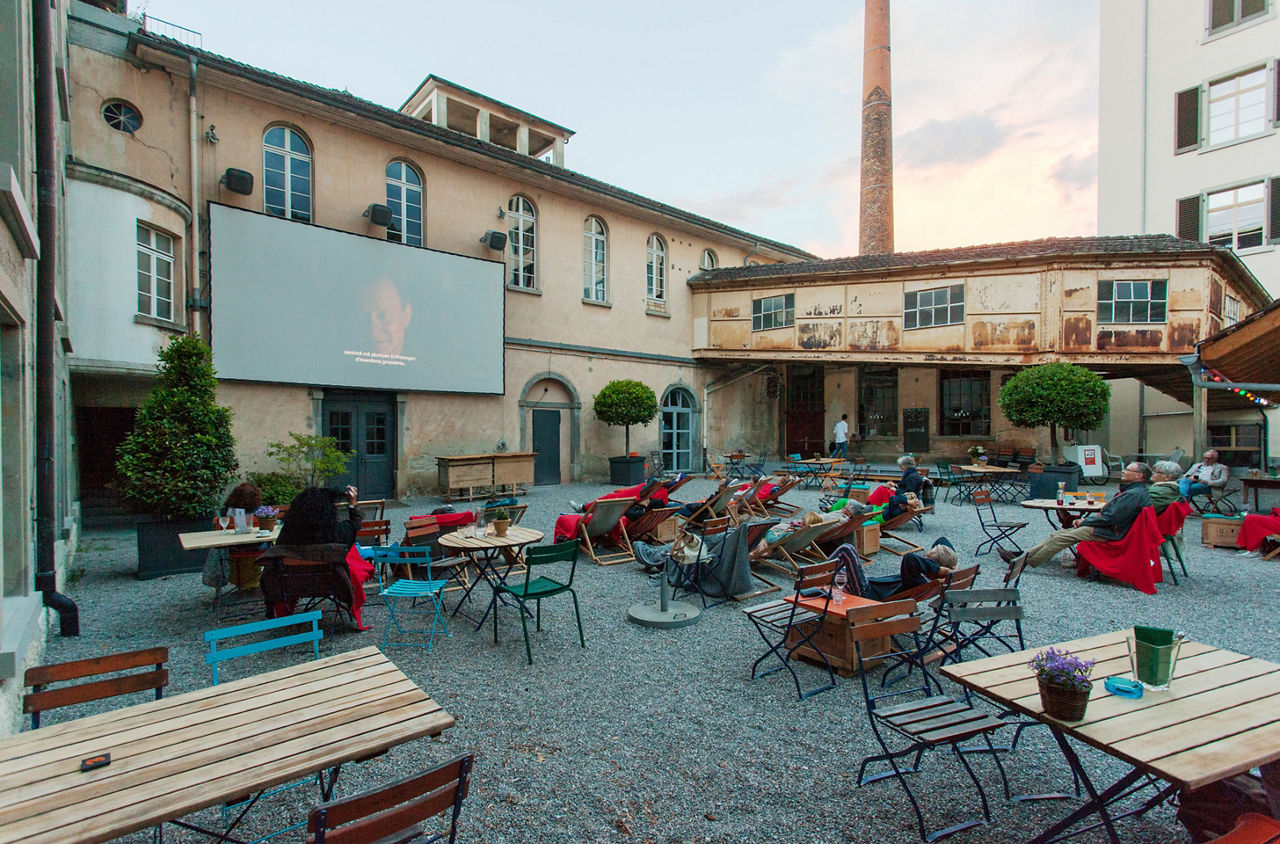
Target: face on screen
388 317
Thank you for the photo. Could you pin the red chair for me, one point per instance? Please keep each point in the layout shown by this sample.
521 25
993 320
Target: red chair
1134 559
1170 524
1252 828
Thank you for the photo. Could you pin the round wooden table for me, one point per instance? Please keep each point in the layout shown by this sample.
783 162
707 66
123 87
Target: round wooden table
485 551
1071 504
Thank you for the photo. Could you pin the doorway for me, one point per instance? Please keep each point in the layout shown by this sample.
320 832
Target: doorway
805 431
546 442
366 424
677 430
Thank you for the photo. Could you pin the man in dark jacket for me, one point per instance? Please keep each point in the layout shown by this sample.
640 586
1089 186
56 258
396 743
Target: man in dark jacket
1110 523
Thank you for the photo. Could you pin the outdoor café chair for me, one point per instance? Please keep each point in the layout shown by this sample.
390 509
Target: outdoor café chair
425 589
1220 500
995 529
398 810
692 576
372 509
1170 523
921 721
540 588
712 469
425 532
41 699
972 618
785 626
374 532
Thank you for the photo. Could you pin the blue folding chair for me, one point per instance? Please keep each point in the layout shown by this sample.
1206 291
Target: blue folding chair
219 653
414 559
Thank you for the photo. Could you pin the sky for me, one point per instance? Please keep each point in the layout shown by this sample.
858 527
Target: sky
746 111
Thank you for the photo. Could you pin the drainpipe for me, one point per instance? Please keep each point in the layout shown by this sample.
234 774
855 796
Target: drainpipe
1146 37
712 386
194 120
755 250
46 288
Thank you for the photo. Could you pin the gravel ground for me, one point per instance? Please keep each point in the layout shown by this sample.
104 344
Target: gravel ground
658 736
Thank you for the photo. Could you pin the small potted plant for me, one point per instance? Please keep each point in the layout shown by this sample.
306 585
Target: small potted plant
1064 683
266 516
977 453
501 521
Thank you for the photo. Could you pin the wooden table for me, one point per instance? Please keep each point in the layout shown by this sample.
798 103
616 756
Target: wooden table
815 465
1259 483
1071 505
463 474
835 638
201 540
185 752
484 552
1221 716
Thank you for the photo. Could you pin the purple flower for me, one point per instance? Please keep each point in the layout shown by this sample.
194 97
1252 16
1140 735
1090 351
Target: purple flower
266 511
1062 668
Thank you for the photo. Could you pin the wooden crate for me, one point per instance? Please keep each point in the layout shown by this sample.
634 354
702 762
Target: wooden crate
867 539
1220 532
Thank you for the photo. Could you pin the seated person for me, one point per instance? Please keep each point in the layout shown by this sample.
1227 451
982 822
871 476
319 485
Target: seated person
1254 529
1205 476
782 529
915 569
1110 523
903 495
313 520
1164 488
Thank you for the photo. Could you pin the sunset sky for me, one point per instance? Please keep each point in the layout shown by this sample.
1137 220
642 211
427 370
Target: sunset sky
745 111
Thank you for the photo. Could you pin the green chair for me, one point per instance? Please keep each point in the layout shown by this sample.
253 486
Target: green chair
537 589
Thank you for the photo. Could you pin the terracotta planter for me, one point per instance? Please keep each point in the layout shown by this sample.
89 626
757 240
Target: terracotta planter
500 526
1063 703
266 522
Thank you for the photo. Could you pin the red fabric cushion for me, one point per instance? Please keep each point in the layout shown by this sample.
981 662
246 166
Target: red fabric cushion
1135 559
452 520
880 495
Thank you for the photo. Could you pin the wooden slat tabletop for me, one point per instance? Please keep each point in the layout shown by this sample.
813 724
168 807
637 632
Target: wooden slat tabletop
204 539
173 756
1221 715
461 540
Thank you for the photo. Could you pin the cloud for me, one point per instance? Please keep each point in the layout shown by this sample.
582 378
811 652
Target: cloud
1075 172
960 140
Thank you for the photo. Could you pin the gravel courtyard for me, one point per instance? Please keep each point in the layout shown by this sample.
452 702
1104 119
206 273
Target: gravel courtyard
658 736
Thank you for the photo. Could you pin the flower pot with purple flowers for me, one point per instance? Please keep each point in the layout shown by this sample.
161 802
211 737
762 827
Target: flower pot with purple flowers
1064 683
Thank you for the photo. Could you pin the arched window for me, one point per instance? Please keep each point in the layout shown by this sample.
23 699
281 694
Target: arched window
286 174
677 430
522 241
656 269
709 260
404 197
595 253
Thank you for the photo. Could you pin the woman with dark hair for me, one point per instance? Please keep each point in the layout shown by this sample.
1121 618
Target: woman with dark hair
312 519
245 497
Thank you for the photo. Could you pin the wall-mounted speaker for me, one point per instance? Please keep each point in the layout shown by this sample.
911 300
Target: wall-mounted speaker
494 240
379 215
238 181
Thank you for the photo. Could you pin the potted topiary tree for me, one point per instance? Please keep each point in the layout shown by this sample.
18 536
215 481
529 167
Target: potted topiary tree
626 402
178 459
1057 395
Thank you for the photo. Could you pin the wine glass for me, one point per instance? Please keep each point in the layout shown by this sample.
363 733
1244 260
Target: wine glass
839 580
223 521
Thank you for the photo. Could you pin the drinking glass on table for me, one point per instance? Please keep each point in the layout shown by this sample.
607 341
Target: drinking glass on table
223 521
838 581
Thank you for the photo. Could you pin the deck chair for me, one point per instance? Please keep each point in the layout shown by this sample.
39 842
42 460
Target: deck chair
995 529
925 720
785 626
749 506
773 503
681 479
540 588
690 574
515 511
396 811
219 653
889 525
373 509
1170 523
841 532
788 553
643 529
601 518
715 506
41 699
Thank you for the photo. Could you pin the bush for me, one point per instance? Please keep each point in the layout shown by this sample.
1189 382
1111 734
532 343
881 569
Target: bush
277 487
625 402
1056 394
180 455
311 460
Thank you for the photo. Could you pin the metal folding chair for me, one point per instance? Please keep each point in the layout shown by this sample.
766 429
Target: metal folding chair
785 625
426 589
995 529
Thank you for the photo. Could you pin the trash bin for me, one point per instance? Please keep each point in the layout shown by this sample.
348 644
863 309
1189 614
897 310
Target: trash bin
1045 484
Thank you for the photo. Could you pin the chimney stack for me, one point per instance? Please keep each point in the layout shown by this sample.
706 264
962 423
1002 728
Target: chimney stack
875 224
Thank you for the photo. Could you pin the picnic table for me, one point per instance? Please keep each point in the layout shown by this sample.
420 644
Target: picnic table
173 756
1220 717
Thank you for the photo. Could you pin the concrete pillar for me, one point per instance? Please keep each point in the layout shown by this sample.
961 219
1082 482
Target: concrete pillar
482 125
441 111
557 152
1199 422
875 225
522 140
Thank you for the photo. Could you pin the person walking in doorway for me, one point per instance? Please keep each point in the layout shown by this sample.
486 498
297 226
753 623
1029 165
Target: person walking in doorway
841 432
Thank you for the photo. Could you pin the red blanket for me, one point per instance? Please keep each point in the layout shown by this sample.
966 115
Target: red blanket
567 525
1257 528
1170 521
880 495
1134 559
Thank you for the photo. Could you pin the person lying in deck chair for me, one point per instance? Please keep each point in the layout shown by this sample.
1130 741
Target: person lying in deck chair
649 495
915 569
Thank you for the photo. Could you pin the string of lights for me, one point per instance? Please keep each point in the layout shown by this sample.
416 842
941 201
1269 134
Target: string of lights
1215 375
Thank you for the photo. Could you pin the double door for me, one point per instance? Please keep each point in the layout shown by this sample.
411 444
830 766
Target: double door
366 424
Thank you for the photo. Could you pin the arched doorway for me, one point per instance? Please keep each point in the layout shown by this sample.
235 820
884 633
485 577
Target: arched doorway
549 420
679 417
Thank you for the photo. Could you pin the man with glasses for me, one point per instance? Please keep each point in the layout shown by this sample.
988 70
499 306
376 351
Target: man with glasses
1205 476
1110 523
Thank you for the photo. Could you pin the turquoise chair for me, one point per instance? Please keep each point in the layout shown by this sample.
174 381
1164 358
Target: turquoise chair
539 588
428 590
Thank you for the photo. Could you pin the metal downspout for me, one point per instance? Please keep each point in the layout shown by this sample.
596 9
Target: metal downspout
193 287
46 289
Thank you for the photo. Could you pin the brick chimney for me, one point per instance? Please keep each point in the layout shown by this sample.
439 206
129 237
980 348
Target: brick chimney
875 224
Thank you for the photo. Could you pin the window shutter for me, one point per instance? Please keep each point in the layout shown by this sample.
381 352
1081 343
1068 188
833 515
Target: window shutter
1221 13
1273 217
1275 81
1189 218
1249 8
1186 121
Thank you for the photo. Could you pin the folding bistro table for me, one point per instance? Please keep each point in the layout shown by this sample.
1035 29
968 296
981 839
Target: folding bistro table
185 752
493 557
1220 717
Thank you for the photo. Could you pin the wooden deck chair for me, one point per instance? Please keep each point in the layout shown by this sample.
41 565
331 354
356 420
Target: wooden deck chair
889 525
516 511
373 509
715 506
684 479
773 504
787 553
748 503
425 530
599 519
644 528
841 532
713 469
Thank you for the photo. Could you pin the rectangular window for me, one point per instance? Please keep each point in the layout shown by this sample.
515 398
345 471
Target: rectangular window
939 306
1132 301
155 273
1224 14
1231 311
964 403
1238 106
1234 216
773 312
878 402
1239 446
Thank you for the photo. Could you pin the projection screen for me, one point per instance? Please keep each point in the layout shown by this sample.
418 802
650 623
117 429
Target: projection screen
300 304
